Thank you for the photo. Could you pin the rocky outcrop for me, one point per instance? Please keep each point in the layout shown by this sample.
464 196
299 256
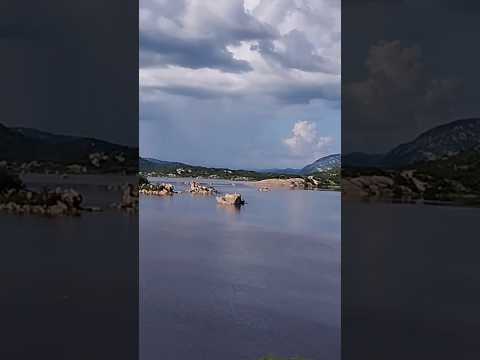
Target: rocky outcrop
52 203
307 183
293 183
130 199
402 185
231 199
158 190
198 189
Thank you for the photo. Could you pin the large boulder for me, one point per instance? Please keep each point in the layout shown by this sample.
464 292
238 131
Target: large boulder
231 199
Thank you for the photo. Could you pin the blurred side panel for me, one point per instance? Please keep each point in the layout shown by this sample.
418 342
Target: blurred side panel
410 189
68 165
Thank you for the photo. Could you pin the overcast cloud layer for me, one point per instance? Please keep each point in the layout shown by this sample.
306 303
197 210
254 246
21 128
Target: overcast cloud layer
235 83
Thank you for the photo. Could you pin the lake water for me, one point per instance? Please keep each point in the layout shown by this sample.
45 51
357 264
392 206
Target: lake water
410 281
218 282
70 284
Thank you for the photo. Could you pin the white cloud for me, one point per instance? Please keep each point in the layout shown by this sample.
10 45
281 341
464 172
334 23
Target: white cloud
239 67
305 141
286 49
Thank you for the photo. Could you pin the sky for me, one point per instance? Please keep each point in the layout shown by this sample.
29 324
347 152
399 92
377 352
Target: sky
408 66
240 84
71 67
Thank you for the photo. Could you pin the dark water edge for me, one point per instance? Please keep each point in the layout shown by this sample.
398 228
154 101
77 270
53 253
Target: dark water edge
410 281
69 286
446 203
220 284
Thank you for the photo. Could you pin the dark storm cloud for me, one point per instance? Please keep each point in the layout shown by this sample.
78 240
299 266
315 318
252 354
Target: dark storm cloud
71 68
304 94
287 94
191 53
201 43
183 90
215 71
410 66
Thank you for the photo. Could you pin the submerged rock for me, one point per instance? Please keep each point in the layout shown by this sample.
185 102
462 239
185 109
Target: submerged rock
231 199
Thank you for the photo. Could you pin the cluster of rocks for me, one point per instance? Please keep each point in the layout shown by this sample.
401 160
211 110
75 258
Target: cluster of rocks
53 203
402 186
154 189
197 188
231 199
264 189
97 158
130 199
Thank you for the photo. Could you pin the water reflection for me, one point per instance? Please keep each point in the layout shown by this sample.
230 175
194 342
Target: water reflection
240 282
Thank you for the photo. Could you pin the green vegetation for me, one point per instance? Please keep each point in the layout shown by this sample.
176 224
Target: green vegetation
329 179
142 180
9 181
324 180
454 179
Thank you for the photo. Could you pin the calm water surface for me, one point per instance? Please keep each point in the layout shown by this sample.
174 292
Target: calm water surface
221 283
70 284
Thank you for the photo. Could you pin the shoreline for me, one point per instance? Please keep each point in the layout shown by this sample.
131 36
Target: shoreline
273 183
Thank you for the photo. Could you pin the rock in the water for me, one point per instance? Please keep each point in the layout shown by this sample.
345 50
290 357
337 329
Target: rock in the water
53 203
130 197
231 199
196 188
159 190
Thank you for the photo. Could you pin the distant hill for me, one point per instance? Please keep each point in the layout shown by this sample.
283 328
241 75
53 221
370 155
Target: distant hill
325 171
30 150
281 171
445 140
359 159
151 164
168 168
442 141
326 163
25 144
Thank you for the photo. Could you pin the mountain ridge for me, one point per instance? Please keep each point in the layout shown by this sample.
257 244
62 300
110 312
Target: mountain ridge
329 162
20 144
441 141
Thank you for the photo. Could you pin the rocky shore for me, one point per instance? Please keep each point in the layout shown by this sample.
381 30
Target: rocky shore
308 183
406 186
54 202
53 196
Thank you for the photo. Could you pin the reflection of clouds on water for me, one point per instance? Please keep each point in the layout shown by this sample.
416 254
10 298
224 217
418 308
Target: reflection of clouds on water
251 274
